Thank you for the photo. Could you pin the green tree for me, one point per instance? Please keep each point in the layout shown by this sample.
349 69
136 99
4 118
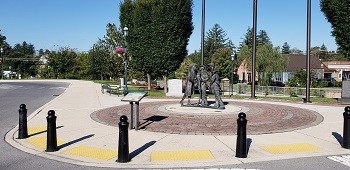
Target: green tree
184 68
223 63
63 63
262 38
83 66
114 37
159 32
100 60
268 61
248 39
216 39
22 60
286 48
337 13
195 58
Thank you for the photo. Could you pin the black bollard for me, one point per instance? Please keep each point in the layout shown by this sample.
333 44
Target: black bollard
22 127
346 130
241 145
123 147
51 140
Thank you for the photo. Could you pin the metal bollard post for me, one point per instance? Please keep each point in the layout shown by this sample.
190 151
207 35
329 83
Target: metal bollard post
241 145
51 140
123 146
346 130
22 128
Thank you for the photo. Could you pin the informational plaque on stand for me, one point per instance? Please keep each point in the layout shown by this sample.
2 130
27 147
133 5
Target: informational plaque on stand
134 97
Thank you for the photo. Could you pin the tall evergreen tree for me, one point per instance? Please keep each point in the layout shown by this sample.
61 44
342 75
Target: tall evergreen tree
216 39
159 32
286 48
248 39
262 38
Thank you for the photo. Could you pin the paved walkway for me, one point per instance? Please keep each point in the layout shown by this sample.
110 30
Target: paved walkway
88 135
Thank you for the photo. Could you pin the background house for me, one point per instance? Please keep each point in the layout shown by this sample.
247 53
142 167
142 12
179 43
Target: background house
335 69
297 62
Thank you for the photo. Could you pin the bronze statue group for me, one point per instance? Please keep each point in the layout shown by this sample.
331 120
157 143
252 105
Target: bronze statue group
203 79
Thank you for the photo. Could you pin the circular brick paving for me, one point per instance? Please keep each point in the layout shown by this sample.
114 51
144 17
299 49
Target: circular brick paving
262 118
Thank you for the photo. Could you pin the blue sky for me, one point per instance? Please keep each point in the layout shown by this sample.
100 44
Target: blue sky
50 24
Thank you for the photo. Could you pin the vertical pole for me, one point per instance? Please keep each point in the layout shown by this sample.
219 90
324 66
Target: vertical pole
131 115
203 32
126 61
231 84
346 128
123 144
241 144
22 126
255 9
307 98
51 140
2 63
137 121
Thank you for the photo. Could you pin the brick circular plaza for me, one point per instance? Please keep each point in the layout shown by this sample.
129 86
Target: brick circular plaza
169 117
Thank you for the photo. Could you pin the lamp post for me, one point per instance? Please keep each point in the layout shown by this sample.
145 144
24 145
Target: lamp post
2 64
126 61
232 70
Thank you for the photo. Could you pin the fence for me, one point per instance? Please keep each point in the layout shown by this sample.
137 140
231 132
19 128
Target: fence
242 88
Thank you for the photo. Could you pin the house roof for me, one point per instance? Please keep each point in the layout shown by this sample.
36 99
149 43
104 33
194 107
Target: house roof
297 62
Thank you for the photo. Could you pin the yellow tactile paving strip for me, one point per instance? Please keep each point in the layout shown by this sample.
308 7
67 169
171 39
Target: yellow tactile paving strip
36 129
188 155
40 142
290 148
92 152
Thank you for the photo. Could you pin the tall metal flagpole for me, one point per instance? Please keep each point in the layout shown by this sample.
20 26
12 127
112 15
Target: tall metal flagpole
202 32
255 9
307 97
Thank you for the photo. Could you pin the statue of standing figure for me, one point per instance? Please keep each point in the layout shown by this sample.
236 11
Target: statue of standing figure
215 86
190 81
202 77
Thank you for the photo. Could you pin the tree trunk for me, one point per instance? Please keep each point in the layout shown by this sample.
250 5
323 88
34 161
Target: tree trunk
165 80
149 81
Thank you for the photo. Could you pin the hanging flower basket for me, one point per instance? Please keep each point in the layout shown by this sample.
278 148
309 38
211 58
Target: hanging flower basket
120 50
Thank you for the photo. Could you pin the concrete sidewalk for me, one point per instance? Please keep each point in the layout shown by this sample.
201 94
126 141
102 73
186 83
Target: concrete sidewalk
84 141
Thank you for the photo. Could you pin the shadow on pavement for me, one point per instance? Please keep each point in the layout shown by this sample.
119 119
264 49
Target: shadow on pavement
38 133
338 137
249 143
152 119
75 141
141 149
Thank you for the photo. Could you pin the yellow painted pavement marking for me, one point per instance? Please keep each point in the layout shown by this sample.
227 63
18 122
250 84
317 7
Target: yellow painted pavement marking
36 129
92 152
181 155
290 148
40 142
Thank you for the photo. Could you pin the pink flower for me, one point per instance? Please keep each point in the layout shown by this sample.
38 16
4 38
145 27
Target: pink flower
120 50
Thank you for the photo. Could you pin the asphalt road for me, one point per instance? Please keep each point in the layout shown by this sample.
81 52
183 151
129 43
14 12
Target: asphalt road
34 95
